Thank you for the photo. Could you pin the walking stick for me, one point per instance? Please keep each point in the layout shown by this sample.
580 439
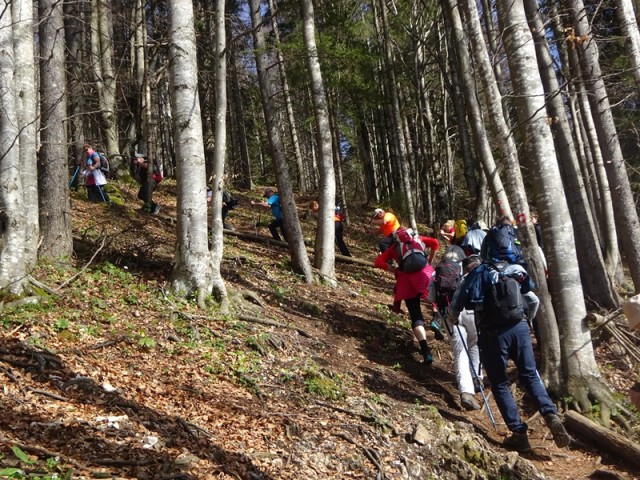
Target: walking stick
75 174
477 379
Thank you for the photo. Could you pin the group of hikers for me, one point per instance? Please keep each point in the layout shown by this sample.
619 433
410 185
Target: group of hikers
482 292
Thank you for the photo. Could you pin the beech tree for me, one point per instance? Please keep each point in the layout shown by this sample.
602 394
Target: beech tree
12 213
192 272
325 233
265 70
53 175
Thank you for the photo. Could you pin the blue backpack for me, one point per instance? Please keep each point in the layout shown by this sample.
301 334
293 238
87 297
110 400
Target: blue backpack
503 244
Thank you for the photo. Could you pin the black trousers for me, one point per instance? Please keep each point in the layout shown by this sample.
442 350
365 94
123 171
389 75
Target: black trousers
273 228
340 240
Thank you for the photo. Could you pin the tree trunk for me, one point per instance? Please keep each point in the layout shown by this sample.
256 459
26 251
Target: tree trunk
53 176
465 80
192 272
106 83
220 149
396 134
325 233
629 25
303 176
246 180
12 213
625 212
27 98
299 257
597 288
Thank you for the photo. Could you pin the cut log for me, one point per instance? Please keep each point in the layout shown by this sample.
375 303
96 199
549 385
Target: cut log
604 438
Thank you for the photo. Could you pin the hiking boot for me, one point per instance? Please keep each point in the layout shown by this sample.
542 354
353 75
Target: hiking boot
395 308
428 358
518 442
227 226
560 435
156 210
435 328
469 402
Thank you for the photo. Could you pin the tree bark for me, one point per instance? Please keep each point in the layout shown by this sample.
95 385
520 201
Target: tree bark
27 98
12 212
597 288
220 149
625 212
192 272
325 233
53 176
299 257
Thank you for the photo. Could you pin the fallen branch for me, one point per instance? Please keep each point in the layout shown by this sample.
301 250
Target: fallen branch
617 444
367 418
271 323
67 282
47 394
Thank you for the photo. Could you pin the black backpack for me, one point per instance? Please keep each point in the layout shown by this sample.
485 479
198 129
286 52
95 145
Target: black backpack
446 281
104 164
229 200
503 302
503 244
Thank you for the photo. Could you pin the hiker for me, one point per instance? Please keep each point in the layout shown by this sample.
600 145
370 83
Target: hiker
140 167
228 203
273 202
412 279
501 243
94 178
448 231
463 336
338 218
387 224
472 241
503 334
460 229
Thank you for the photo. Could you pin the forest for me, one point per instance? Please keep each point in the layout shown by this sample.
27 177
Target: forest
434 111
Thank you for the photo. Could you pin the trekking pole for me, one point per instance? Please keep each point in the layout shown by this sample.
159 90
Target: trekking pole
75 174
477 379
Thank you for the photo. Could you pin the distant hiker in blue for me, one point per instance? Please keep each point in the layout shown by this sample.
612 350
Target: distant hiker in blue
273 202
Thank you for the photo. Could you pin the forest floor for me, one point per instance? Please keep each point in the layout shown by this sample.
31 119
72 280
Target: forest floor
113 376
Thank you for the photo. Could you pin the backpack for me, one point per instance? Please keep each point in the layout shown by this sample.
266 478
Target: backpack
503 244
447 279
460 228
229 200
411 254
157 173
104 164
503 303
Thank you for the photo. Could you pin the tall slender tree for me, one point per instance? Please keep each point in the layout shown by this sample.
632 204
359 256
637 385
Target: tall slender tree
192 273
264 67
324 249
54 208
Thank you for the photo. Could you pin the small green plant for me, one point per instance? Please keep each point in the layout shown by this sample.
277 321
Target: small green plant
51 465
318 384
61 324
146 342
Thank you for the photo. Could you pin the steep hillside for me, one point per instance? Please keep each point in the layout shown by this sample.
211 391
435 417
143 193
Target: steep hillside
107 374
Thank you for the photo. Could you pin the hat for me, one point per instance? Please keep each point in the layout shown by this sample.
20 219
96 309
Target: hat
267 191
378 211
482 225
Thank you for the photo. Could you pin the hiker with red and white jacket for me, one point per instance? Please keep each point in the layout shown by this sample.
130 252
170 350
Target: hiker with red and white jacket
413 273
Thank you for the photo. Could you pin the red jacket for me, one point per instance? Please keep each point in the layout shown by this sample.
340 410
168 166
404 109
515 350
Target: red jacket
409 285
